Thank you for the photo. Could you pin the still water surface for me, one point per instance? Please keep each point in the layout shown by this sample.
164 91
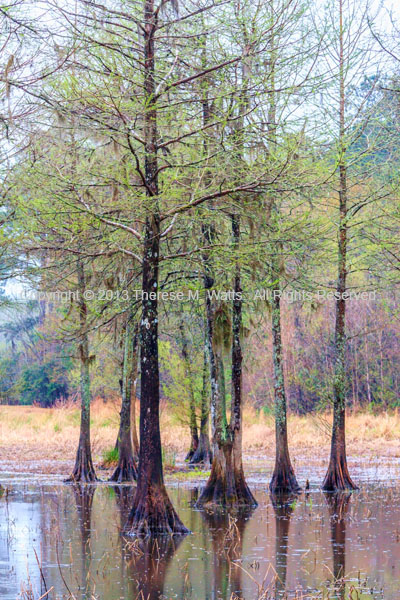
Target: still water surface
277 550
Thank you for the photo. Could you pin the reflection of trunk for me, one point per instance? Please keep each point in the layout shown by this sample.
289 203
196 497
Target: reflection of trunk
149 565
124 495
124 498
337 476
152 511
338 504
283 508
227 485
84 501
203 452
227 543
126 468
283 479
83 469
194 435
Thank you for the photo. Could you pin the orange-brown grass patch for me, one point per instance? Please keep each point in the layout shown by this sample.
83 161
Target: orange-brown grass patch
45 439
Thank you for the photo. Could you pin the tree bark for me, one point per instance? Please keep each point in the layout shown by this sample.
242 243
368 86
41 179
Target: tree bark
152 511
194 434
126 469
283 479
203 453
133 388
338 476
227 485
83 470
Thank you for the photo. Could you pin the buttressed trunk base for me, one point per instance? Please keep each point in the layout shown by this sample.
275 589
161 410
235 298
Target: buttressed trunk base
338 477
83 470
226 486
153 514
126 469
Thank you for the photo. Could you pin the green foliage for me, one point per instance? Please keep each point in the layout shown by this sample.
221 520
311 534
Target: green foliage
176 381
110 457
43 384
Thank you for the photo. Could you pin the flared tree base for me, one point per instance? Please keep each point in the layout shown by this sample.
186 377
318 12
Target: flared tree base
226 486
125 472
203 455
193 447
189 455
152 514
337 478
284 481
84 470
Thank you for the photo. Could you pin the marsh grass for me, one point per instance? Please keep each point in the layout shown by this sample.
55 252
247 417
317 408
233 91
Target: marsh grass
30 434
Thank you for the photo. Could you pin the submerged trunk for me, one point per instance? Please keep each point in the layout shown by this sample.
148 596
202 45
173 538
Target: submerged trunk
152 511
227 486
194 434
203 452
338 476
126 468
83 470
283 479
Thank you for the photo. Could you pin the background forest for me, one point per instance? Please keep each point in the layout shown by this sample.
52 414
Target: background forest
241 158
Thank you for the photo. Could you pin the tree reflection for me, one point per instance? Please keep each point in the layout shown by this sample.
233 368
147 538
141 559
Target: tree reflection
338 504
283 505
227 532
147 562
83 495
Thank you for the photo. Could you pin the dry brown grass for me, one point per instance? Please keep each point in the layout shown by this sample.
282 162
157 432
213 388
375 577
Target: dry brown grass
45 440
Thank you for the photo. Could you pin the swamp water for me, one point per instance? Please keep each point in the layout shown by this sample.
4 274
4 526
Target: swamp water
317 546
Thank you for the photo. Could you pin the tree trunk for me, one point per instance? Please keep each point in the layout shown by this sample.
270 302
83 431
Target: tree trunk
337 476
133 387
83 470
283 479
203 452
227 485
152 512
126 468
194 434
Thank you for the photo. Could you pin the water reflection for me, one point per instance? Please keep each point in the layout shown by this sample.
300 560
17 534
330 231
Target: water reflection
76 533
227 535
284 505
147 563
83 495
338 504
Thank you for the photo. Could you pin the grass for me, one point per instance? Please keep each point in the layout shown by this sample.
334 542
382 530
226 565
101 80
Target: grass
45 440
110 457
